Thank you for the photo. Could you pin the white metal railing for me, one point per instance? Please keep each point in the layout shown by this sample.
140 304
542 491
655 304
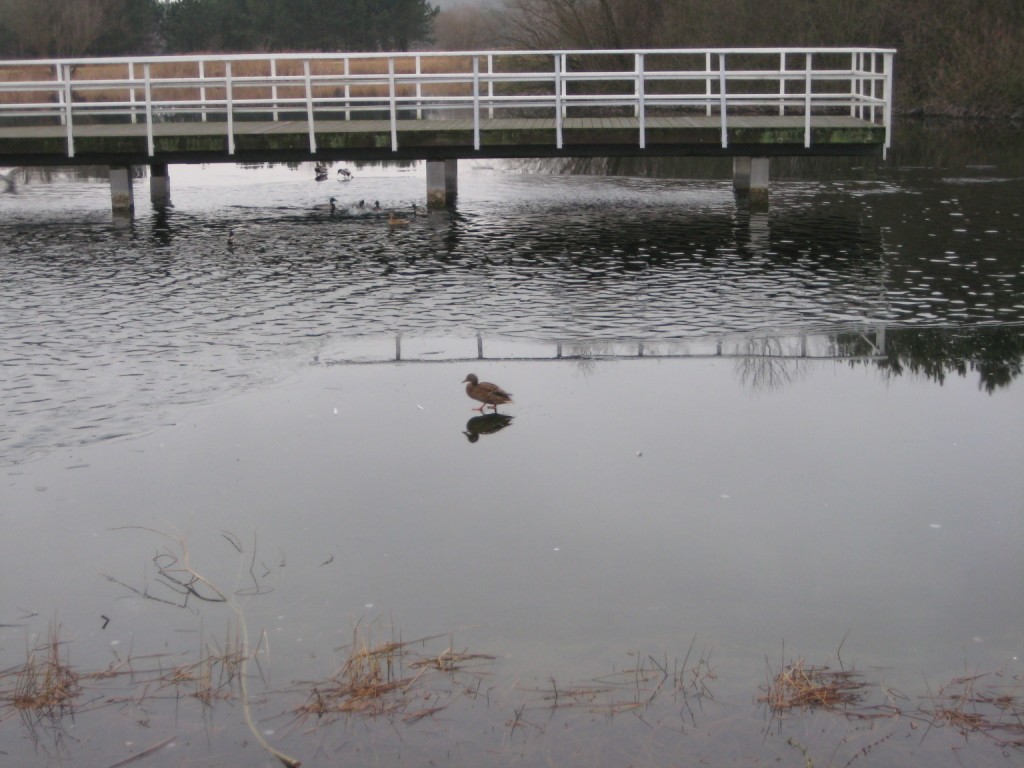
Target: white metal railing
717 82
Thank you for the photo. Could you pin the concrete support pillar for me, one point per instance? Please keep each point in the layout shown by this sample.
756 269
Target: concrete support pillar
442 183
159 184
121 198
750 179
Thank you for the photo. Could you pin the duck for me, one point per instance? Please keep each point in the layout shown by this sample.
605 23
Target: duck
396 221
486 393
345 174
332 206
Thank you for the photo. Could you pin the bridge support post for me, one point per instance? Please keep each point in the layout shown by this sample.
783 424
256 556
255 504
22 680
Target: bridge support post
442 183
159 184
750 179
121 199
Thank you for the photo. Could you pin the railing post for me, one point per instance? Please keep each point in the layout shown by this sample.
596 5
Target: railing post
490 86
131 90
228 106
348 90
782 83
58 76
66 91
202 88
708 90
394 103
310 119
565 84
874 84
148 93
476 102
722 99
558 100
640 104
887 70
856 85
273 86
807 100
419 90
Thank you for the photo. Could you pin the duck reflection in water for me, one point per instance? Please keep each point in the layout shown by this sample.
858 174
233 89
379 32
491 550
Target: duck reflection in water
486 425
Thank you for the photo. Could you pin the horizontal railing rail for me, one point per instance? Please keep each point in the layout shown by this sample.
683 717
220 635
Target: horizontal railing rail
722 83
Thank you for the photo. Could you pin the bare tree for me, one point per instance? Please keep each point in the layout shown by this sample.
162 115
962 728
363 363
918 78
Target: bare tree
57 27
585 23
466 28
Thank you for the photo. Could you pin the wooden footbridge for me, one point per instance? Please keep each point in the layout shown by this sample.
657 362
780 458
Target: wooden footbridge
750 104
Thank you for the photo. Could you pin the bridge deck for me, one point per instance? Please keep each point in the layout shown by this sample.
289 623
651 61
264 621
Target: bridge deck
363 139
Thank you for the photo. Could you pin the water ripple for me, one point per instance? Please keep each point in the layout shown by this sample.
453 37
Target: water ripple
103 324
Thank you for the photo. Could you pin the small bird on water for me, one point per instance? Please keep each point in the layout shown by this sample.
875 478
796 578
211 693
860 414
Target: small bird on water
486 392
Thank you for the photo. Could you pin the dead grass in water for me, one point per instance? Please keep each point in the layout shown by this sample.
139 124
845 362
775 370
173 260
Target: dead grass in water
806 686
988 703
45 686
633 688
391 677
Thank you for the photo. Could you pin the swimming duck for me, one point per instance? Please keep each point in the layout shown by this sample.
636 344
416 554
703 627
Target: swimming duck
396 221
345 173
332 206
486 392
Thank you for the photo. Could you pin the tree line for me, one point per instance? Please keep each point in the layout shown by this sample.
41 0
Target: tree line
49 28
955 56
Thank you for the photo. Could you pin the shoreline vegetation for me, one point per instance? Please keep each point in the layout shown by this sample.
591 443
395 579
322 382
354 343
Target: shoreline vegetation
957 58
382 674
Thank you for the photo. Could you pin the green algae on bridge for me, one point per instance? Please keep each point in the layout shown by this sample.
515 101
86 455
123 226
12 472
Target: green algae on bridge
205 142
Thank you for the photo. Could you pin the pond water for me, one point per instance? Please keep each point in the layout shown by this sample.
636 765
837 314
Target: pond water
744 444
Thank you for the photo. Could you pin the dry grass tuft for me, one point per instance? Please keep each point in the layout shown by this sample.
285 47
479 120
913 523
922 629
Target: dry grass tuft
805 686
983 703
635 687
44 686
374 681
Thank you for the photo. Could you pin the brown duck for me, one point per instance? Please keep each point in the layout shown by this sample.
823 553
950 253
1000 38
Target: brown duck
486 393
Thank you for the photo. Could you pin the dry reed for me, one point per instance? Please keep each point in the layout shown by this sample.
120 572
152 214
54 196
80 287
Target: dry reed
992 704
633 688
373 680
806 686
45 686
